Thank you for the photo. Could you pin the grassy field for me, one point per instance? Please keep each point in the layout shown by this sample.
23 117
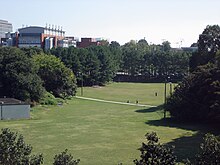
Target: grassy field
143 92
102 133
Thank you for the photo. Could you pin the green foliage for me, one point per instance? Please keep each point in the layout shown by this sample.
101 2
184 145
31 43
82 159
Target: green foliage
14 151
197 97
106 68
31 51
153 60
57 78
19 77
95 65
154 153
210 151
48 99
208 45
98 65
65 159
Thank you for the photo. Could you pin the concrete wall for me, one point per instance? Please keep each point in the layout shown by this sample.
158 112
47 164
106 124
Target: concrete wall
8 112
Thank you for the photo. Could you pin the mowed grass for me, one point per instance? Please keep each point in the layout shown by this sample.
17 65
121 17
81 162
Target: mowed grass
101 133
145 93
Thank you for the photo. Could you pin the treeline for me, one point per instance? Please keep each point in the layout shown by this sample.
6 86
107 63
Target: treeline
14 151
197 97
32 74
97 65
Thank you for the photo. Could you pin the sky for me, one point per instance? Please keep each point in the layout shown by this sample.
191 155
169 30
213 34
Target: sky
178 21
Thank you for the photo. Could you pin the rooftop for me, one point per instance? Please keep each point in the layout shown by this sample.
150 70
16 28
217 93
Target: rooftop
10 101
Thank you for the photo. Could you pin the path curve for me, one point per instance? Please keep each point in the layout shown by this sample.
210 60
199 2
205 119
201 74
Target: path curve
115 102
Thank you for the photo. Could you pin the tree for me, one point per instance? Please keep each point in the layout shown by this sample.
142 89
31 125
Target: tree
208 45
166 46
19 77
142 42
31 51
154 153
116 54
57 78
210 151
197 97
65 159
14 151
130 58
106 67
91 69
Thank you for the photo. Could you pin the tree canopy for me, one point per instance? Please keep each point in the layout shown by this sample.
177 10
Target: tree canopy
198 96
208 46
14 151
57 78
19 77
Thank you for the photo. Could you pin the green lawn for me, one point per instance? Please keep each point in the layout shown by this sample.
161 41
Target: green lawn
143 92
102 133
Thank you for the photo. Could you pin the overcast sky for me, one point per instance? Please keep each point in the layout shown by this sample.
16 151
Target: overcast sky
118 20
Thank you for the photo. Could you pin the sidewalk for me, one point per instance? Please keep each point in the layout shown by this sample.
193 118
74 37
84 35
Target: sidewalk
115 102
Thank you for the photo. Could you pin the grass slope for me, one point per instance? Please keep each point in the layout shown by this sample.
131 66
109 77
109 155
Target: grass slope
101 133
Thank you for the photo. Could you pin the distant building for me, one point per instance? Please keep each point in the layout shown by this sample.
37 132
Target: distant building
5 27
86 42
186 49
11 108
35 36
47 38
189 49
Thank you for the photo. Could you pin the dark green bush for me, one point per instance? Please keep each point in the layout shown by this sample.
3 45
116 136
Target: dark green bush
65 159
48 99
154 153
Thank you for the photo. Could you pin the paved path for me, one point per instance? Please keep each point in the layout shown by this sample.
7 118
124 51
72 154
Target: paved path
115 102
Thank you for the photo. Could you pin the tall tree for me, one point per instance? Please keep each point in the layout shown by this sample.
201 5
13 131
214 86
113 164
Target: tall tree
57 78
14 151
19 77
197 98
208 45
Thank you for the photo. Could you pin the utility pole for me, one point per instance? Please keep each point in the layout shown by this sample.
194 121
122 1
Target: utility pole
165 96
82 84
171 89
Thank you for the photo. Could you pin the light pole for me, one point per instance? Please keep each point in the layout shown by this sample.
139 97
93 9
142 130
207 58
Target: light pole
1 110
81 74
82 84
165 96
165 93
171 89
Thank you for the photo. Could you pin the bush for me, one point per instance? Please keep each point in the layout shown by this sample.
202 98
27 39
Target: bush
154 153
65 159
14 151
210 151
48 99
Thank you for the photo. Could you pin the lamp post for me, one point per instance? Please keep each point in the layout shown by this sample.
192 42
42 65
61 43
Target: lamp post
1 110
171 89
82 84
81 74
165 93
165 96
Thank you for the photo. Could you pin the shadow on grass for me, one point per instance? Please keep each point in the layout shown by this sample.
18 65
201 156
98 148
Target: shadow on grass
193 126
186 146
149 110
